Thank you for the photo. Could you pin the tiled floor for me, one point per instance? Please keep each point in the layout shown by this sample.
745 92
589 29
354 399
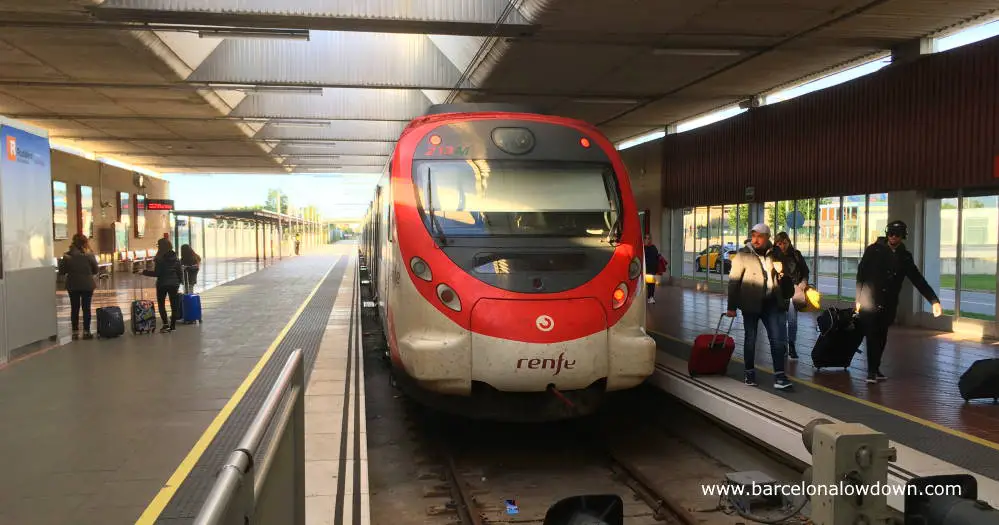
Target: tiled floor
124 287
93 429
335 392
923 366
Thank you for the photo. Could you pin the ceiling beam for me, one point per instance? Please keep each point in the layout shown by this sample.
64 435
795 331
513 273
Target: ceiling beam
193 86
251 119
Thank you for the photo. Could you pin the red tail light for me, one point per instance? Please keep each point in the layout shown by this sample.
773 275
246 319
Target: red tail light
449 297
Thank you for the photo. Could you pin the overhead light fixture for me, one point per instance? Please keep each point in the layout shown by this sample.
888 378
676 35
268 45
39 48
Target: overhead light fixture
279 34
296 90
299 123
667 51
605 101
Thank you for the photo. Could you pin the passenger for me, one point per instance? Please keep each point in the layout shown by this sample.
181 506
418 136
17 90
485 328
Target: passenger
298 242
759 287
192 263
79 266
885 265
797 268
653 266
168 275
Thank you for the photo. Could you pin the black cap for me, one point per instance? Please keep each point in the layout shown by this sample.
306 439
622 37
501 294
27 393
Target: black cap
897 228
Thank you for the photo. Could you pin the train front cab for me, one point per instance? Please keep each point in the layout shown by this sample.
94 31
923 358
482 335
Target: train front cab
491 315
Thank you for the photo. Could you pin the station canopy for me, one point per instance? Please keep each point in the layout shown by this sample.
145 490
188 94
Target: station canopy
303 86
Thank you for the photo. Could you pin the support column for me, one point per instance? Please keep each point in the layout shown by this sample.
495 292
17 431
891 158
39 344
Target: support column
907 206
256 239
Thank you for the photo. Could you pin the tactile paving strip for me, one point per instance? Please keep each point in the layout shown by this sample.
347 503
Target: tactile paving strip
946 447
306 333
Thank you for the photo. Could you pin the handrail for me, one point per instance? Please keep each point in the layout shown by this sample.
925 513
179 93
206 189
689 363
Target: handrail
233 499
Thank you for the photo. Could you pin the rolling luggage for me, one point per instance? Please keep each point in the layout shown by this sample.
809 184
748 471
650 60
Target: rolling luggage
190 304
143 314
110 322
840 335
712 352
980 381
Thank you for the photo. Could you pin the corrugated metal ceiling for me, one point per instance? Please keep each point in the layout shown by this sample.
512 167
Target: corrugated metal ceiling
626 66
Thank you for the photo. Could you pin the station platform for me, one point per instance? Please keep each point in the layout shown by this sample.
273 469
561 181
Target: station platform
918 407
134 429
121 288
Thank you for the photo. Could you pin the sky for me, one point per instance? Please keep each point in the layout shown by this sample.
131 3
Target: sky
340 196
346 196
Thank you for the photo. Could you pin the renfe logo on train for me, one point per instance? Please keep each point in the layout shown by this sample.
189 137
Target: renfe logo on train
557 365
544 323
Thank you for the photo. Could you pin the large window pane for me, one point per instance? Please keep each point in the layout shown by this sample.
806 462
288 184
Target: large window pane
728 238
688 242
877 216
701 241
827 271
979 218
854 212
804 236
940 262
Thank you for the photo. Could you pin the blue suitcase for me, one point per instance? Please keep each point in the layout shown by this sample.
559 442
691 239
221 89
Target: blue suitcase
191 307
190 303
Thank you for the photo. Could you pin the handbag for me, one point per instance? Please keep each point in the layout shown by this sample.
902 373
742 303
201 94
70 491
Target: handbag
806 298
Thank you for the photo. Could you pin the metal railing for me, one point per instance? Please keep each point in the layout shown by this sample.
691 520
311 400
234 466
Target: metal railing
272 491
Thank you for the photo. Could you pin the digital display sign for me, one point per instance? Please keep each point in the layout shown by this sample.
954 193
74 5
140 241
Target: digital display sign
159 205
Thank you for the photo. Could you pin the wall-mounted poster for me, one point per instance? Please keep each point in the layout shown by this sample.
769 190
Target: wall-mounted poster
140 216
125 210
60 211
86 211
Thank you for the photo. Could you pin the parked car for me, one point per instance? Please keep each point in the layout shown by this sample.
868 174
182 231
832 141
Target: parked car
717 258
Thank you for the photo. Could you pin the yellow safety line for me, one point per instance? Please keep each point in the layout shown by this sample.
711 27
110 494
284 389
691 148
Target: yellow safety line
162 498
892 411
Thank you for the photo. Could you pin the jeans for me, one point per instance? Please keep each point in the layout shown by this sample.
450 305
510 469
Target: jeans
775 323
792 325
174 293
77 301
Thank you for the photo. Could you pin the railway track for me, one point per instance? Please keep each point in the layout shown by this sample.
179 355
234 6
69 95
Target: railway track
431 468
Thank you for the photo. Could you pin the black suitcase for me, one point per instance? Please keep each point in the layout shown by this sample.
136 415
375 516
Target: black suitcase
980 381
840 335
110 322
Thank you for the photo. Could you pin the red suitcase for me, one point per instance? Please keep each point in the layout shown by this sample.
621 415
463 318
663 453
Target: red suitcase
712 352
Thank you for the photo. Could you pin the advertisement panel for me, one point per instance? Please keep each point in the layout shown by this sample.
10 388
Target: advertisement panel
26 180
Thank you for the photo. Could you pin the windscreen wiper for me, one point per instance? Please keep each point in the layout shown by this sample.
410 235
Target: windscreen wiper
435 227
615 232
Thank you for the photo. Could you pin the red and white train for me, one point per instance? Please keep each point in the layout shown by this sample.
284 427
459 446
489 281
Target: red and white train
505 259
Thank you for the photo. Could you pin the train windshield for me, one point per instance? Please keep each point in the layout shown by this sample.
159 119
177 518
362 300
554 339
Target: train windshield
506 198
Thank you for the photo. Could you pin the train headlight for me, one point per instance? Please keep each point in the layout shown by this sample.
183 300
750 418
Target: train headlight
619 296
421 269
515 141
634 269
448 297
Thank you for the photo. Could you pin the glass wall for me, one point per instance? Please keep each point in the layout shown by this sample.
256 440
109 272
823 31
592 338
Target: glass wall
977 263
960 231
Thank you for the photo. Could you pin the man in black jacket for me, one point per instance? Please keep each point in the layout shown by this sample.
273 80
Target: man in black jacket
885 265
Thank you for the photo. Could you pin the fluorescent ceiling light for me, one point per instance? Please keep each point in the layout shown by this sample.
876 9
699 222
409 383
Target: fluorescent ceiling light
641 139
605 101
285 34
697 52
297 90
299 123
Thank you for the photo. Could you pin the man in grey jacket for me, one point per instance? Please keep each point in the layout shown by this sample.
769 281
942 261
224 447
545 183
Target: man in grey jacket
758 286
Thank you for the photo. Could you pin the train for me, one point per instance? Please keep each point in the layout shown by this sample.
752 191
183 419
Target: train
503 251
